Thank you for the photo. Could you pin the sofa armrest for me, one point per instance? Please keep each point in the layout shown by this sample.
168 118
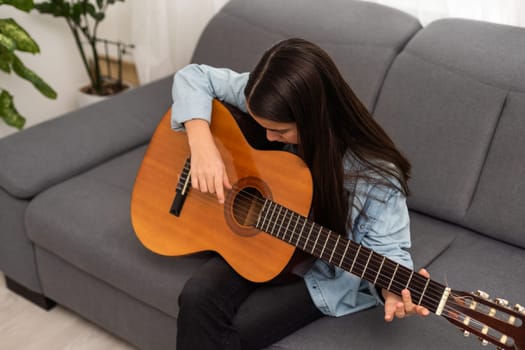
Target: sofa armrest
48 153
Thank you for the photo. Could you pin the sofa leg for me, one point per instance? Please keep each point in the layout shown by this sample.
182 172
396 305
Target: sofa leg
36 298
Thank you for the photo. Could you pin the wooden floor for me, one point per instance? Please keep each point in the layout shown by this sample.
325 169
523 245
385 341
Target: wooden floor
25 326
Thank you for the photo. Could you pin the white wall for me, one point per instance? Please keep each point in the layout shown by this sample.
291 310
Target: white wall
59 62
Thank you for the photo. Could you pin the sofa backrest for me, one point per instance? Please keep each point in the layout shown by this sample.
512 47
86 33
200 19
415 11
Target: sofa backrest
454 101
362 48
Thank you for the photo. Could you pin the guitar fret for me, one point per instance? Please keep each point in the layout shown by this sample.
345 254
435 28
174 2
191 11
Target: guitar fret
297 218
344 254
379 270
282 219
308 238
423 293
300 234
318 235
262 211
289 221
366 266
409 279
265 220
324 246
392 278
270 218
355 258
277 220
335 246
273 218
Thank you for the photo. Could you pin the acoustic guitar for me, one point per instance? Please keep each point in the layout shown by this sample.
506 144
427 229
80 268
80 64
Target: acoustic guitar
265 218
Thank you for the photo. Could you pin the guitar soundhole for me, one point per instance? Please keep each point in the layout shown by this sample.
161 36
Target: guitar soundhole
246 206
243 205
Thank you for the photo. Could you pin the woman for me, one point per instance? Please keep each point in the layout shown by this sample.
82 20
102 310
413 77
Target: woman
359 177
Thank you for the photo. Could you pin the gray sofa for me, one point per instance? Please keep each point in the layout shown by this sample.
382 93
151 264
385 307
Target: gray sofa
452 96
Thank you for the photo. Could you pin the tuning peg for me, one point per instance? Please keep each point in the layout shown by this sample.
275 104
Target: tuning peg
482 294
484 342
502 302
519 308
466 333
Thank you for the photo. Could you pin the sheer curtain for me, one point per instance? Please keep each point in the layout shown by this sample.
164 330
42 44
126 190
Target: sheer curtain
165 32
498 11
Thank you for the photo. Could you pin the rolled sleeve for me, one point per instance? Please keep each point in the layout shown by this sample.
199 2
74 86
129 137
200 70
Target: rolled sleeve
389 231
194 88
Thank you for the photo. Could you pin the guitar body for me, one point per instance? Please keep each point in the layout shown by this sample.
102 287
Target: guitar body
203 224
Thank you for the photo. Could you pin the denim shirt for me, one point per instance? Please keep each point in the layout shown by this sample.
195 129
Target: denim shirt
380 214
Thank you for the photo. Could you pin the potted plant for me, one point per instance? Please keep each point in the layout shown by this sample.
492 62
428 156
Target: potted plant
14 38
83 18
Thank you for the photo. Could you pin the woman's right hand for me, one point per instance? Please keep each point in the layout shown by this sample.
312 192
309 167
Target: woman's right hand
208 173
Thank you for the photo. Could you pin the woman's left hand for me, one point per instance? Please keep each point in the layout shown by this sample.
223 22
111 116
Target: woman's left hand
400 307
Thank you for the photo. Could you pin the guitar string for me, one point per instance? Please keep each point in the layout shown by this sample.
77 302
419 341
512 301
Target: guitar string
379 269
301 239
252 197
452 311
337 253
367 264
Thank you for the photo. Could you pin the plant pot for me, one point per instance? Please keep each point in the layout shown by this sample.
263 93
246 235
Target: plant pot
85 97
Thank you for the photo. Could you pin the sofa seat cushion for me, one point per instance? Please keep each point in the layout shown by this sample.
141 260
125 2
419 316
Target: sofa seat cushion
86 222
367 330
475 262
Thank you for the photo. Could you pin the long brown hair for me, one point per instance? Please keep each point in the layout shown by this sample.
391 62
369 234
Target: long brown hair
297 81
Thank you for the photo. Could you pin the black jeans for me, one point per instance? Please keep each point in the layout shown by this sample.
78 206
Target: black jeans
219 309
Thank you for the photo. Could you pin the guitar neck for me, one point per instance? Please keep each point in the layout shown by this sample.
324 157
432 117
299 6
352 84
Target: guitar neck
342 252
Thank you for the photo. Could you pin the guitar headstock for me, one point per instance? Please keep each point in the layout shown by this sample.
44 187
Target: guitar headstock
494 322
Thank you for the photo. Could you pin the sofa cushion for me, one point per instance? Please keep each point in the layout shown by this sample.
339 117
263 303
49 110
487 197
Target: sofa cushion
60 148
474 262
430 238
498 207
442 101
362 48
86 222
367 330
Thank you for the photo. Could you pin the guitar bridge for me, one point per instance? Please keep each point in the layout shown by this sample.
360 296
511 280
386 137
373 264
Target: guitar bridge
182 189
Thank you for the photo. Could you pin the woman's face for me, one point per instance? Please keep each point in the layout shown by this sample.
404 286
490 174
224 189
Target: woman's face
278 131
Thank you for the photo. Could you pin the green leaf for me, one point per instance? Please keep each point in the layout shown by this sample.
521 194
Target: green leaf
8 111
57 8
32 77
100 3
92 11
24 5
22 39
98 16
6 59
7 43
6 67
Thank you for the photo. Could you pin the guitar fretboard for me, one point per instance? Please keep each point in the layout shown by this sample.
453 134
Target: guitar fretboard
340 251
